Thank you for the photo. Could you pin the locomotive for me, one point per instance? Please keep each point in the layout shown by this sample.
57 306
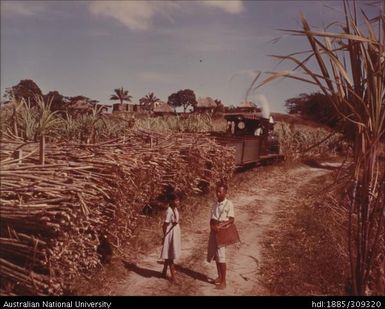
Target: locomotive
253 138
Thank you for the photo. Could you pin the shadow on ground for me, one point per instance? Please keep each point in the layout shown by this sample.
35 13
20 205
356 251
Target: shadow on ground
144 272
148 273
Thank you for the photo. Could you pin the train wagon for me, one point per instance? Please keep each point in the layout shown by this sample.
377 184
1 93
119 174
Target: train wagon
252 137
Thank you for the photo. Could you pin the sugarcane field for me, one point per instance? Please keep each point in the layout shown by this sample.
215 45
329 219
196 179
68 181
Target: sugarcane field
218 148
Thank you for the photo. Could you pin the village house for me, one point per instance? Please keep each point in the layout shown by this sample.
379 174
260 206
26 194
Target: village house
130 108
162 108
205 105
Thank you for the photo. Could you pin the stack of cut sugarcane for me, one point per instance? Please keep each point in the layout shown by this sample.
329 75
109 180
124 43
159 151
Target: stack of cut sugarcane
53 215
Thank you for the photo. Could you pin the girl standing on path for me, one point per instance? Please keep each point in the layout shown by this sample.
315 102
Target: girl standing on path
171 237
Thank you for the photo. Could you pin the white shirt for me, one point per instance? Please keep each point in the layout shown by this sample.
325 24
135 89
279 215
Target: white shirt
258 132
172 216
222 211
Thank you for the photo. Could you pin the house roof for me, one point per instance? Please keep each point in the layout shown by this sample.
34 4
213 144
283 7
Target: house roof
162 107
81 105
206 102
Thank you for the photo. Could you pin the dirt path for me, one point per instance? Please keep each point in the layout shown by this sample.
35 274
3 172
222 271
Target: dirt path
256 201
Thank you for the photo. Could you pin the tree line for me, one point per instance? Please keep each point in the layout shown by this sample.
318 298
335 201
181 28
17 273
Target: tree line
28 90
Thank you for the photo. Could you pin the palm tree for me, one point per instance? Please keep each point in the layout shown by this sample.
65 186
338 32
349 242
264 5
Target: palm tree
148 101
121 95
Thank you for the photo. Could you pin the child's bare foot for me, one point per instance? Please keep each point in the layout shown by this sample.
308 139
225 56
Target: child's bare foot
215 281
221 286
174 281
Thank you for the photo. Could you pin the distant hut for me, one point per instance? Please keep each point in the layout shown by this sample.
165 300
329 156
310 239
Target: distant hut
125 107
103 108
137 108
80 107
205 105
130 108
118 107
162 108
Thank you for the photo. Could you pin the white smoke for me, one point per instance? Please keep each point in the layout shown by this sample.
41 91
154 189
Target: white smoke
264 105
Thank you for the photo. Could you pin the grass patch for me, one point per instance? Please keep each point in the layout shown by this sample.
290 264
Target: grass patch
304 254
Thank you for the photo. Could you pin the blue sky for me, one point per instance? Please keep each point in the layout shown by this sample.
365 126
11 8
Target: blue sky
212 47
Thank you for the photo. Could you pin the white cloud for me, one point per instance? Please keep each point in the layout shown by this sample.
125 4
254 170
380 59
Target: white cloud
23 8
136 15
139 15
233 7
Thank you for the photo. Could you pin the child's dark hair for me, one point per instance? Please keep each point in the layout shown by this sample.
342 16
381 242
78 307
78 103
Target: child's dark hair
171 196
222 184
